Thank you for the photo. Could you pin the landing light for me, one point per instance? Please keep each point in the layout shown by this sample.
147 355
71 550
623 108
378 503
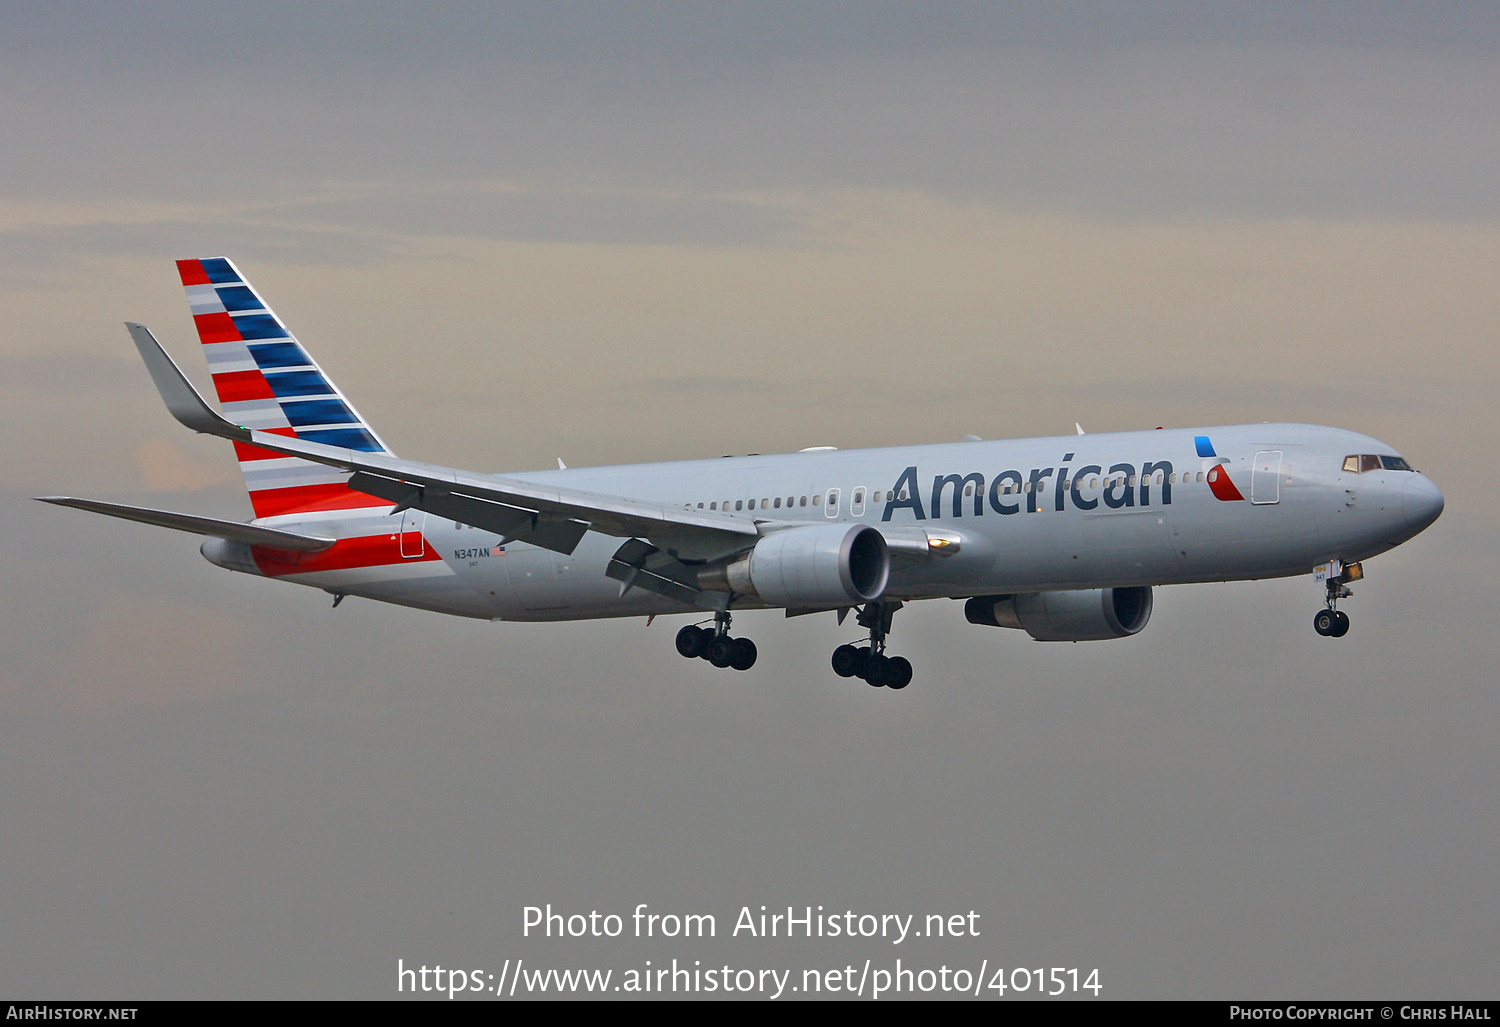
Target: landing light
942 545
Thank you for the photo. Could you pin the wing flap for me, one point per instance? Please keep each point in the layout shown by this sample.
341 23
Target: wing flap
512 523
638 564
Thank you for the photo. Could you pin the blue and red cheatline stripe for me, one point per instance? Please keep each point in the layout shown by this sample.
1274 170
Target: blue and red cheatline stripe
345 554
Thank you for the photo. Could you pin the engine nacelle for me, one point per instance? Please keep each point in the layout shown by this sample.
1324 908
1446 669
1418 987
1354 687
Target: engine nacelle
823 565
1084 615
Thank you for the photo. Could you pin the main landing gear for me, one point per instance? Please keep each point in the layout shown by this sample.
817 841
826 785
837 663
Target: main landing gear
715 645
870 663
1332 622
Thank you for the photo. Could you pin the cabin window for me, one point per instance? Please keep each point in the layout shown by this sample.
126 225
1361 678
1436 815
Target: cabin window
1394 463
778 502
1368 462
804 501
739 504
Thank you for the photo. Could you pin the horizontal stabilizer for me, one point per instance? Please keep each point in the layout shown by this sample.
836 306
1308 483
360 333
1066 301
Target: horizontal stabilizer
238 531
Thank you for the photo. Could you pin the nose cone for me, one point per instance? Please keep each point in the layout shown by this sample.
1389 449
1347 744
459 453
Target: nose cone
1421 502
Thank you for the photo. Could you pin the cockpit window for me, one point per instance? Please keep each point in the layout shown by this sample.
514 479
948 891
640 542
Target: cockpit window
1359 463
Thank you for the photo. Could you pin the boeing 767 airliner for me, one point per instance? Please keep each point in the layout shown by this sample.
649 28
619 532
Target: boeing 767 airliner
1063 538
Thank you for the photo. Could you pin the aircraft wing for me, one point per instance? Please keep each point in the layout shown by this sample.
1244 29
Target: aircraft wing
544 515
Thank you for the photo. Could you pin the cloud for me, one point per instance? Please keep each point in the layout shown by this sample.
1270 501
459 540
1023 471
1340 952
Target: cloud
1143 112
165 467
144 653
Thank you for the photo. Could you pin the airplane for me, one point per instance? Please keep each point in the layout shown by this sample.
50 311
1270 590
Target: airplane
1063 538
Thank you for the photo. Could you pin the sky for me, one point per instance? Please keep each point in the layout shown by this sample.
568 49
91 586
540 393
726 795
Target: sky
627 232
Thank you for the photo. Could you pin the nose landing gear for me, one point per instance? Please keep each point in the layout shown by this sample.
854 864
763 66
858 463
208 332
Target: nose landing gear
870 663
715 645
1331 622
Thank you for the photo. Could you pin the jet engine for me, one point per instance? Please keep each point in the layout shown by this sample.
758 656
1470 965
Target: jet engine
1083 615
818 566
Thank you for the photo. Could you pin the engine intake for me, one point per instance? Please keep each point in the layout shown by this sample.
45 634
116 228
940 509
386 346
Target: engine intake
1083 615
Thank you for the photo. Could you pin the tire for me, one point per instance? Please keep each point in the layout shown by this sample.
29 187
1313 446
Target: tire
845 660
691 641
742 654
720 650
878 671
1340 624
900 672
1323 622
862 658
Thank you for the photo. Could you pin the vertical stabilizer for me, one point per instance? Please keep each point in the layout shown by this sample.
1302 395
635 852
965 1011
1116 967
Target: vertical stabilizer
266 380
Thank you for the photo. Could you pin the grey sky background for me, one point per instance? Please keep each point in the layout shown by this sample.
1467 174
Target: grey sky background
638 232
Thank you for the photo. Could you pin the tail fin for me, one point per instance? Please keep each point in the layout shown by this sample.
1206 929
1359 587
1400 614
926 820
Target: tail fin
266 380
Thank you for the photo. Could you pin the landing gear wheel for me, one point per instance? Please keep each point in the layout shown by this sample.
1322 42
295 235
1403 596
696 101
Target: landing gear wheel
845 660
720 650
691 641
869 662
742 654
862 658
1340 624
1324 622
900 671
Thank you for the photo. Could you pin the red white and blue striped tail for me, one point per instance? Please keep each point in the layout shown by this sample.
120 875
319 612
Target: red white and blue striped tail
267 381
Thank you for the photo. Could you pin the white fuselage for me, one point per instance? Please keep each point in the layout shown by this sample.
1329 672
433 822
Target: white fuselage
1018 516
